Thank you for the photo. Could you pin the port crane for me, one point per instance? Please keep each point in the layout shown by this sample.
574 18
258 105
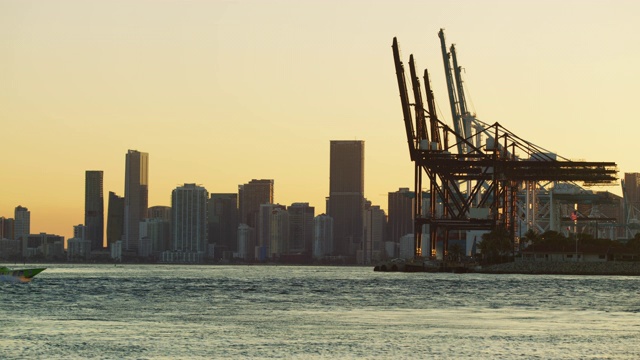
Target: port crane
475 169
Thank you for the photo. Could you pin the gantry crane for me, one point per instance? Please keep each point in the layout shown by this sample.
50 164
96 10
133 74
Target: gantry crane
492 161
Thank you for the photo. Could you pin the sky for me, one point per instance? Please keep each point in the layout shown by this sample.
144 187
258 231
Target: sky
222 92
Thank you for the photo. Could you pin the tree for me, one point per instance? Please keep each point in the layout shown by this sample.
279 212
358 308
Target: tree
496 246
530 237
455 252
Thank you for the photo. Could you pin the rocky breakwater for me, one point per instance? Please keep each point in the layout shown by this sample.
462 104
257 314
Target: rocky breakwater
564 268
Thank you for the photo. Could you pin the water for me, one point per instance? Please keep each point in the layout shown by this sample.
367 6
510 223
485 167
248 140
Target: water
231 312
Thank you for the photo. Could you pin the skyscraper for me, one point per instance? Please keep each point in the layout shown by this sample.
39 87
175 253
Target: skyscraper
400 208
251 196
375 227
346 195
159 212
632 188
6 228
136 197
301 228
279 237
222 215
265 247
115 218
189 221
94 209
22 226
322 236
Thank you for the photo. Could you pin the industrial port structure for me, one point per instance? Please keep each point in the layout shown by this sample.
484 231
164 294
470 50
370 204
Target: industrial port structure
482 176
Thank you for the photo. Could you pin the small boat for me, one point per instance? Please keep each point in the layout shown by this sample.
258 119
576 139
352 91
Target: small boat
21 275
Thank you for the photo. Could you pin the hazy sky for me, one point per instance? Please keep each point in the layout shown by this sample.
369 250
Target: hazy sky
222 92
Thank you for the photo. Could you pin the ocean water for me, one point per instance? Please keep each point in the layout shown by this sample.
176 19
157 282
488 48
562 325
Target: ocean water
300 312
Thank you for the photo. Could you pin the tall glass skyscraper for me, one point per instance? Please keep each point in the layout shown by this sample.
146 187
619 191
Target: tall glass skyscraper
189 219
346 195
400 208
94 209
250 197
22 226
301 228
222 216
115 218
136 197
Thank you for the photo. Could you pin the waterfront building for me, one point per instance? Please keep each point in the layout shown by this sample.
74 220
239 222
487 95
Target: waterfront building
322 236
300 228
156 232
400 207
188 223
222 215
159 212
279 239
632 188
80 232
115 249
22 226
407 247
10 249
136 197
245 242
78 248
115 218
47 245
375 226
94 209
6 228
250 197
263 249
346 195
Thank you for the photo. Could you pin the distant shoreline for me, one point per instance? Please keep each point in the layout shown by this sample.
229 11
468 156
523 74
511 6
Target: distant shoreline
621 268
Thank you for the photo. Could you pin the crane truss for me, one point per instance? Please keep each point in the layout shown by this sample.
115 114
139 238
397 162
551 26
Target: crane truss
475 175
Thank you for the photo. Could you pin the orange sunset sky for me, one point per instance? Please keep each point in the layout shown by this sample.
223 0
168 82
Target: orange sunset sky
222 92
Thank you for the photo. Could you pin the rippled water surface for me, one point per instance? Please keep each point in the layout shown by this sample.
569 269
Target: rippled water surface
218 312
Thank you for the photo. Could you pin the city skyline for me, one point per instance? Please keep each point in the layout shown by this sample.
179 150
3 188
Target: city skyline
219 93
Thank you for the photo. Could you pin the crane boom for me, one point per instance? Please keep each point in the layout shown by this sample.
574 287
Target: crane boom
404 99
455 113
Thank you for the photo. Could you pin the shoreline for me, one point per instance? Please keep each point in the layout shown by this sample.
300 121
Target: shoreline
621 268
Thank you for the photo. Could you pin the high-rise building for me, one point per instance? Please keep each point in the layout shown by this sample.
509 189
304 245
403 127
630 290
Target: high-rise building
322 236
245 245
115 218
251 196
136 197
264 234
22 226
189 220
346 195
632 188
375 225
279 237
222 215
49 245
6 228
158 231
400 209
300 228
80 232
159 212
94 209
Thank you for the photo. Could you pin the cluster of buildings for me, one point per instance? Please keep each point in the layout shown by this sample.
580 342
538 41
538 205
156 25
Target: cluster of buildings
250 226
245 226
